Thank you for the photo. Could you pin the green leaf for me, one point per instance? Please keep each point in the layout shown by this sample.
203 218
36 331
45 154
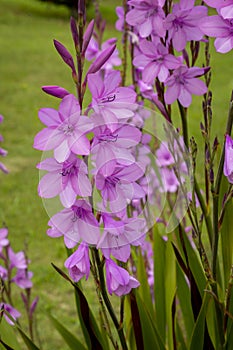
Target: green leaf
226 237
137 326
197 339
212 324
92 334
184 296
27 341
151 338
159 249
69 338
8 335
144 289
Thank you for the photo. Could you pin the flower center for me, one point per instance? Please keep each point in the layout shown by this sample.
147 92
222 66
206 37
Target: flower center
108 136
67 129
109 98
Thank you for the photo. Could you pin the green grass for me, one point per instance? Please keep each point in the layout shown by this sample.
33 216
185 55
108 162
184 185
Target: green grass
28 60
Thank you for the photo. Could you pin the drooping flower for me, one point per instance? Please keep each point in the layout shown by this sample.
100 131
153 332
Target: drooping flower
78 264
75 223
155 61
228 161
65 132
183 83
148 17
118 279
183 23
68 179
119 234
109 100
15 314
221 29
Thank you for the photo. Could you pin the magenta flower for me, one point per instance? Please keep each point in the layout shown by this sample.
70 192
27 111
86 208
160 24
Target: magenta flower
155 61
183 83
107 145
78 263
221 29
118 185
170 182
183 23
15 314
164 156
3 238
68 179
120 22
119 235
75 223
118 279
224 7
23 278
17 260
228 162
110 100
65 132
148 16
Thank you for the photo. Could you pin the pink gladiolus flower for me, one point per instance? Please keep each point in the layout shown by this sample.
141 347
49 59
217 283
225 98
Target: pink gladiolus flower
15 314
3 238
110 100
170 182
147 16
120 22
155 61
17 260
221 29
183 83
118 279
75 223
23 278
183 23
118 185
119 235
68 179
65 132
224 7
228 162
78 263
164 156
107 145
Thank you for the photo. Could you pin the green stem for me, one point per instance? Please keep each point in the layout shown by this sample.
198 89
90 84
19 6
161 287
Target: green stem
216 197
204 211
108 304
183 114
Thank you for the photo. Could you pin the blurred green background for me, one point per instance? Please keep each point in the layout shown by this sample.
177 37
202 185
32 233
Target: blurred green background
28 60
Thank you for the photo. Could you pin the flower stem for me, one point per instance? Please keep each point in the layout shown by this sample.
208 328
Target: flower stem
108 304
183 114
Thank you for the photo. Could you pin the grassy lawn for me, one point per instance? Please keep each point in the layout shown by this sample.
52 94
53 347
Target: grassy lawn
28 60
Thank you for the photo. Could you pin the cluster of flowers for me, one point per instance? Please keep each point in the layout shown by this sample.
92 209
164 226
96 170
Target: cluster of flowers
104 138
3 152
100 159
13 271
